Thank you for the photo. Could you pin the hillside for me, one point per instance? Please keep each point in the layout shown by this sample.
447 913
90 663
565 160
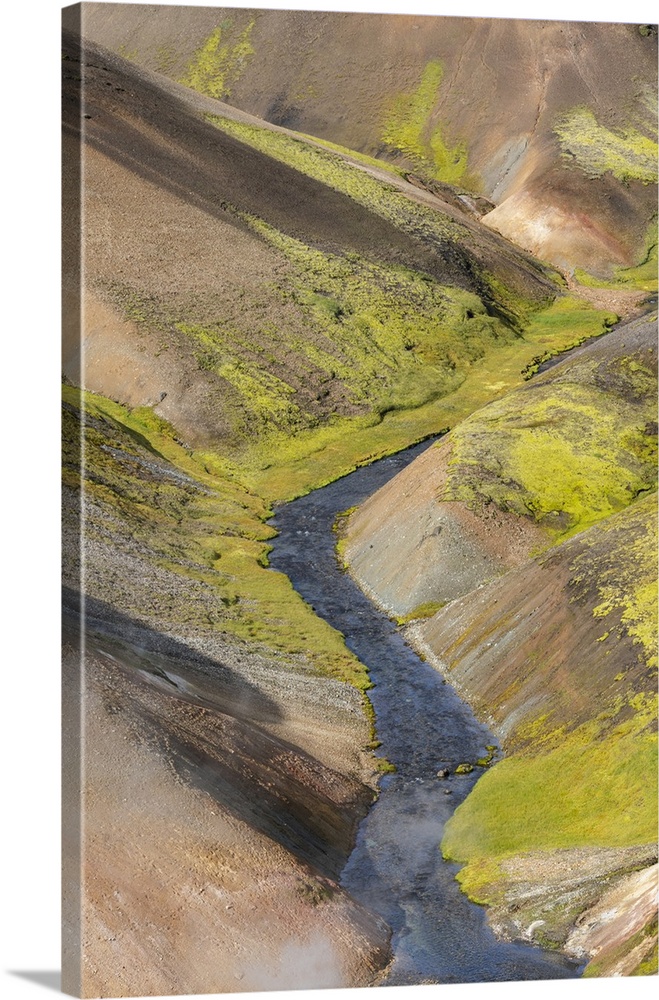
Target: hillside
528 541
542 120
326 266
221 777
208 685
564 450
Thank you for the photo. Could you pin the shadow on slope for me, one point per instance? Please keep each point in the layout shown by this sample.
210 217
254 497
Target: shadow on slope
143 127
210 724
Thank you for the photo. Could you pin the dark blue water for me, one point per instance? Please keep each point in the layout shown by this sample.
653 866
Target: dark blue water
396 868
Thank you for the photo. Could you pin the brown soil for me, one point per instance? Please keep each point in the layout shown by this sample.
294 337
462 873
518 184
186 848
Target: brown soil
489 639
406 548
182 891
211 791
627 911
625 302
519 639
589 901
222 786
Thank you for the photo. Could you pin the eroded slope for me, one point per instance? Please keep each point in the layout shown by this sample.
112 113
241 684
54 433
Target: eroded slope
556 650
221 780
568 448
542 118
561 657
251 296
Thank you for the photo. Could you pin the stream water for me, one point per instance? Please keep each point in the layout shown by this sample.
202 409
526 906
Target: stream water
396 868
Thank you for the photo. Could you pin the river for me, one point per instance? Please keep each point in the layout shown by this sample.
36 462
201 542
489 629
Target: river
396 868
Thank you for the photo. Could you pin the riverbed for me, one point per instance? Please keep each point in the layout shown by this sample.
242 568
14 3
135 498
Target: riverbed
396 868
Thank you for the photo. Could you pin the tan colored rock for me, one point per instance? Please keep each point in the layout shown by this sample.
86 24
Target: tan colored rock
406 548
627 912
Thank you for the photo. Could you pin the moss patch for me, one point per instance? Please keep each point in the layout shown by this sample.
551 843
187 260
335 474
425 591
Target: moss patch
426 610
430 226
624 588
583 774
353 154
411 130
627 153
642 275
595 792
566 450
219 61
192 515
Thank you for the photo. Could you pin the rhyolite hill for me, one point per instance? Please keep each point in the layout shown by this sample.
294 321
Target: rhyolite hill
552 123
261 312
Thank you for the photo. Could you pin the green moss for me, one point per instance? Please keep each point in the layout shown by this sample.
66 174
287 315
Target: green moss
353 154
485 881
336 171
409 129
333 168
627 153
566 451
574 314
203 525
223 536
426 610
592 790
649 966
405 337
314 457
132 55
218 64
315 891
384 766
626 581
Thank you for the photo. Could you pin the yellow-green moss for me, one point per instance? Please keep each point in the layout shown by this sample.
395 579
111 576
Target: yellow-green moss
392 322
593 790
353 154
207 527
426 610
131 55
218 64
335 170
314 457
626 585
567 451
410 129
574 314
390 203
627 153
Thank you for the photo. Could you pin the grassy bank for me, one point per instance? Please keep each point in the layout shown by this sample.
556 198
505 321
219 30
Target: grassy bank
313 458
206 527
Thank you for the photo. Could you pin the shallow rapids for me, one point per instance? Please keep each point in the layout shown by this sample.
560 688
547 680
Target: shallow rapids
396 868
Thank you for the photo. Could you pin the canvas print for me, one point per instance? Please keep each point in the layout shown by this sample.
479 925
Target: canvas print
359 499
